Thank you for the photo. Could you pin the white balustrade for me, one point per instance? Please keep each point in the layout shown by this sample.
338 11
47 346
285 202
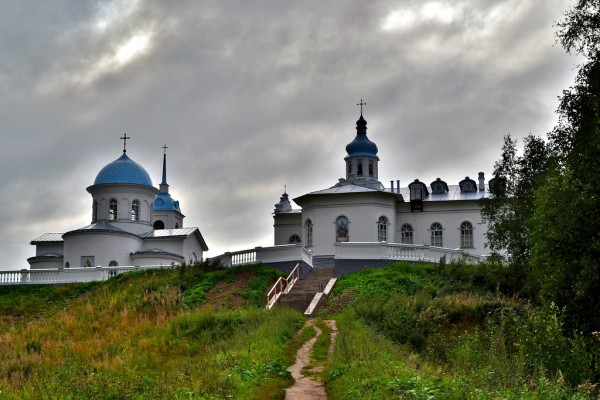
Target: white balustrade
397 251
66 275
282 253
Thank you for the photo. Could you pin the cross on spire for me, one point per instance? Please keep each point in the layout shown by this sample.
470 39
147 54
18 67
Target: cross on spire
165 149
124 139
361 104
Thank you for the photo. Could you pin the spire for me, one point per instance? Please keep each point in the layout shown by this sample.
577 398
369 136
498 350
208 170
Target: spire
164 187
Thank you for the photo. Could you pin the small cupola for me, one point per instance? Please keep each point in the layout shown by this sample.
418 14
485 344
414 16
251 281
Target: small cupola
362 160
439 187
284 204
361 145
467 185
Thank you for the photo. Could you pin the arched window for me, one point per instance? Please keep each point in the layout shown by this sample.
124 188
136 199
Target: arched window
466 234
437 238
113 263
135 210
67 265
112 210
407 234
294 239
176 225
359 170
371 168
342 229
94 212
308 228
349 166
382 225
158 224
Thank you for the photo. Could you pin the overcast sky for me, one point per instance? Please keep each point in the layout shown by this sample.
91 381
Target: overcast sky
250 96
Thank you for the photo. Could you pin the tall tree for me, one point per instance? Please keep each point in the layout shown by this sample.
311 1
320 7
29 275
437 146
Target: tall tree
565 228
511 205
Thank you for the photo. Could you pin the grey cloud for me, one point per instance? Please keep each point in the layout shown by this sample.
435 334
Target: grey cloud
250 96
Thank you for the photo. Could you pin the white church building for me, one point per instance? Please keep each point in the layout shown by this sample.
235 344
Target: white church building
360 219
132 224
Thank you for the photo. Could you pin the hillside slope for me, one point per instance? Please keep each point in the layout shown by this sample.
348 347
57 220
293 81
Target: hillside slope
151 334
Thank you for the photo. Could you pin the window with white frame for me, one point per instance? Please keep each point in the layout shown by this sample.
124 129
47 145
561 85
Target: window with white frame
406 232
466 234
437 238
382 225
112 210
135 210
308 226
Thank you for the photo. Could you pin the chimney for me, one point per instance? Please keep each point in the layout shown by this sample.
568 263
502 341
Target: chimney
398 185
481 182
392 185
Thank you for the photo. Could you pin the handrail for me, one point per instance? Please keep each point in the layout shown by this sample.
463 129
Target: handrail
280 288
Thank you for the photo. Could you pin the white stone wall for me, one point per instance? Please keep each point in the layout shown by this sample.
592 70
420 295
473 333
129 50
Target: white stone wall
104 246
44 248
286 225
192 251
448 213
169 218
125 194
362 210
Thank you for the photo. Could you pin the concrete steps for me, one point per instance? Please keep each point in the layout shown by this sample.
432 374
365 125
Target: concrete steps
305 289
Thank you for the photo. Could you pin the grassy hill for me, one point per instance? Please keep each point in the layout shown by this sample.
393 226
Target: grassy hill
410 331
150 334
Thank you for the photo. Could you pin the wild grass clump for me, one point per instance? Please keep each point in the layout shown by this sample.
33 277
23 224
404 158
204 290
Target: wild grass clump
367 365
136 336
458 320
404 278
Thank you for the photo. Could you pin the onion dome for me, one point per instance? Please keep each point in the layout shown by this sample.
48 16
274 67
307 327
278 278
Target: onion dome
164 202
123 170
361 145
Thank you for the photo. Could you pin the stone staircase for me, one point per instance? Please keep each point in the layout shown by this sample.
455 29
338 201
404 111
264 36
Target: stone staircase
305 289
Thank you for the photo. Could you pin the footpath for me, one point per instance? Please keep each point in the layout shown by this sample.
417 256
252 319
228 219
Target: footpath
308 387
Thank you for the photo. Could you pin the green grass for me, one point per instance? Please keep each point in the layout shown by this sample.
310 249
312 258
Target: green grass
320 349
449 332
139 336
410 331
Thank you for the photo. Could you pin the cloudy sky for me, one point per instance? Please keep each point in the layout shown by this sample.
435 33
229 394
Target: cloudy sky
252 96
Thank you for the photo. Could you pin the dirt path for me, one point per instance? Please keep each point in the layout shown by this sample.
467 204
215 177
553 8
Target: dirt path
306 387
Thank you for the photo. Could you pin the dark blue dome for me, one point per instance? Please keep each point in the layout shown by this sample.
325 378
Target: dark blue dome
164 202
361 145
123 170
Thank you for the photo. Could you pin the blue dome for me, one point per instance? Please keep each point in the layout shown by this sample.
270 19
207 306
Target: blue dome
123 170
361 145
164 202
